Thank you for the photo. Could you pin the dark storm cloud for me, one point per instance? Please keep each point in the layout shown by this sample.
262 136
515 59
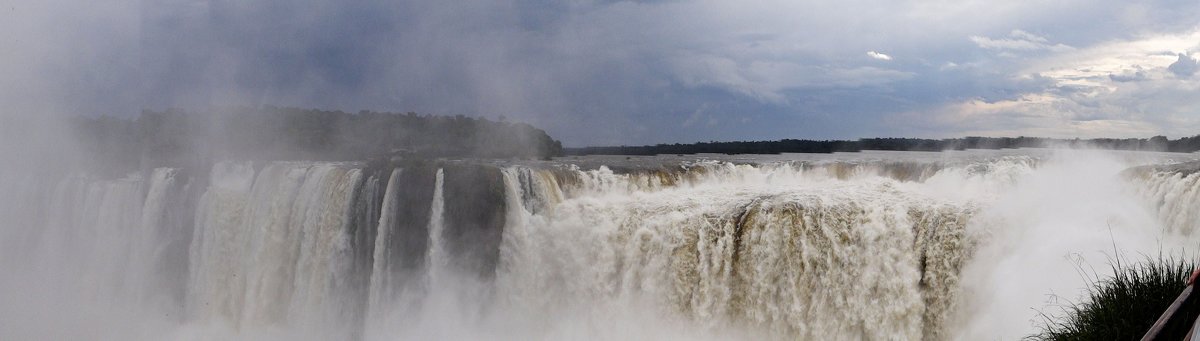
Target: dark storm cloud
595 72
1185 66
1129 76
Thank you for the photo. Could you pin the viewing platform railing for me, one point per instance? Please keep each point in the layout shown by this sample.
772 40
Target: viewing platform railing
1174 313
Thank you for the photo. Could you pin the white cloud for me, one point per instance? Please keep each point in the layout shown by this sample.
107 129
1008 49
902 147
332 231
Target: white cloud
1103 65
1119 88
1019 40
767 80
879 56
1041 114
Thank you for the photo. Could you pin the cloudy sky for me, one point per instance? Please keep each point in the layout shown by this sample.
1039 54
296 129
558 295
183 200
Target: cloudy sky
631 72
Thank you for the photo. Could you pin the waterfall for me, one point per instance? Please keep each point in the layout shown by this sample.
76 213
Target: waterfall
214 290
279 250
438 262
858 249
384 282
162 238
799 259
1175 196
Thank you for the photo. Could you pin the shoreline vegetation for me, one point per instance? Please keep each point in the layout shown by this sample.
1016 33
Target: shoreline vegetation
181 138
1157 143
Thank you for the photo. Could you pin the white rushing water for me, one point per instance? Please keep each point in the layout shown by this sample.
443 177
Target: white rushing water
955 245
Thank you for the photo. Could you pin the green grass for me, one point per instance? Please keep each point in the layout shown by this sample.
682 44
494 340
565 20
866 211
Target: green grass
1124 306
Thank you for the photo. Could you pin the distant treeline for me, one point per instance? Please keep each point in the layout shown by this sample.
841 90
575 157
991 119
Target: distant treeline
181 138
1157 143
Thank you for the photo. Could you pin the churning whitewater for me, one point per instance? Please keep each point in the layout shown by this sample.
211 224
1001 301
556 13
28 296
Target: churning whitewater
883 245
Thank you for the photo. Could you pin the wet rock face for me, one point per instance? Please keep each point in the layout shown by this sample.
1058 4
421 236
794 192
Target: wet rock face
409 243
474 217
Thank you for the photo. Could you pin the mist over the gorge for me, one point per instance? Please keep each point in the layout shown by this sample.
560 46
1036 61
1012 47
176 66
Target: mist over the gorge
517 170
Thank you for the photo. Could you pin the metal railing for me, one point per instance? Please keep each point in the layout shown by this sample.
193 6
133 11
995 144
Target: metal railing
1174 313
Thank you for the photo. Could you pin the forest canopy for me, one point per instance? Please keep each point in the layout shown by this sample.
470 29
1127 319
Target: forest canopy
181 138
178 137
1157 143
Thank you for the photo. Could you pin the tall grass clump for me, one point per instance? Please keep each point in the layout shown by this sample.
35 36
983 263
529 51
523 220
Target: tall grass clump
1124 306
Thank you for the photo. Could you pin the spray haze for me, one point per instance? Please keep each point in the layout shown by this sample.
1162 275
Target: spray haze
378 170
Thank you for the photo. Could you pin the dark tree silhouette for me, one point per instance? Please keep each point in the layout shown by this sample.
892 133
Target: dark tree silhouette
1157 143
182 138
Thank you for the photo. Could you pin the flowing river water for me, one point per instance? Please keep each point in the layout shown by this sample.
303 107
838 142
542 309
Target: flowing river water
873 245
